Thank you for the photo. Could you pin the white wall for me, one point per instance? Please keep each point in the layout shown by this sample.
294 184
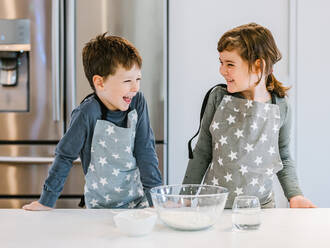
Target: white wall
194 29
313 104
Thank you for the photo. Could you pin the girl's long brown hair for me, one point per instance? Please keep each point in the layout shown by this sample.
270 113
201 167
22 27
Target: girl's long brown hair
253 42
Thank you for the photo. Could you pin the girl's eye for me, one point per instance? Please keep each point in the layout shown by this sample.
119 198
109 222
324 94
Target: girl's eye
230 65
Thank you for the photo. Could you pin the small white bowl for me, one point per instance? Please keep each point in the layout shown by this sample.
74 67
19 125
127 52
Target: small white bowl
135 222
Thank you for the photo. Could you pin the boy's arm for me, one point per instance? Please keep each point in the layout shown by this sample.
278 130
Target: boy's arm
67 150
36 206
203 150
144 149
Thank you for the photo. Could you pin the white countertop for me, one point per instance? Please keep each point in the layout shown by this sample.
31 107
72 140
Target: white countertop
280 228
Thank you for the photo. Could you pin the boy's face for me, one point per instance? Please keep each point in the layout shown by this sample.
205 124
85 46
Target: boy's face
117 91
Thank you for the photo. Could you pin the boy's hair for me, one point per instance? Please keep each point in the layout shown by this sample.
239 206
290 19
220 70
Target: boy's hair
253 41
104 54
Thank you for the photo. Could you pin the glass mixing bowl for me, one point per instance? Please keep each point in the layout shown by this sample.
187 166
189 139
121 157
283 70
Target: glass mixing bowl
189 206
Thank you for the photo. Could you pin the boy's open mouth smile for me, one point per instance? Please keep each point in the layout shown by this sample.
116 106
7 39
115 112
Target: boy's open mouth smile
127 99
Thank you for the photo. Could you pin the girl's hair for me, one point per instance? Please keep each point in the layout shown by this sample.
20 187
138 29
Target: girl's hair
253 42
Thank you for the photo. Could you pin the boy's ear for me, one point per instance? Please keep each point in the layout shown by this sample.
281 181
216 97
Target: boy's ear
98 82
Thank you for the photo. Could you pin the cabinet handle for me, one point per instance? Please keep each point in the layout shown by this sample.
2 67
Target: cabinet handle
56 59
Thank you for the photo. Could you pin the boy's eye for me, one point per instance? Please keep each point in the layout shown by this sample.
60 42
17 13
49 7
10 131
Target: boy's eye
129 81
230 65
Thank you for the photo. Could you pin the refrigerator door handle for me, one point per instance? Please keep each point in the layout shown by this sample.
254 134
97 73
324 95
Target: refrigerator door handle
70 56
25 160
56 59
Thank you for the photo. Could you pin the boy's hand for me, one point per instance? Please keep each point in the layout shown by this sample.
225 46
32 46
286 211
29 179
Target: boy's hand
36 206
300 201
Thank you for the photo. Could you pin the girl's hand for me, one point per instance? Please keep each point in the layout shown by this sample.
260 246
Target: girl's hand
36 206
300 201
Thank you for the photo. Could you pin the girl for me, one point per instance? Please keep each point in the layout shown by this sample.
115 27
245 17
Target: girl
245 132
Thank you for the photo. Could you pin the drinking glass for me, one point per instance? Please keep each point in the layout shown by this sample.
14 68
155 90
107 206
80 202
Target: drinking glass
246 213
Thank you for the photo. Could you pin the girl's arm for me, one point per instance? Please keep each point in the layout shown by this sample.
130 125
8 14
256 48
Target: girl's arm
203 149
288 175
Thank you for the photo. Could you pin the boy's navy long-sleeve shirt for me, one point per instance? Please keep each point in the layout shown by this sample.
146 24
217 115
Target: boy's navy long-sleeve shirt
77 142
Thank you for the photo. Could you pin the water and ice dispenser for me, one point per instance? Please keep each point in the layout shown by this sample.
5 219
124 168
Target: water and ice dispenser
14 65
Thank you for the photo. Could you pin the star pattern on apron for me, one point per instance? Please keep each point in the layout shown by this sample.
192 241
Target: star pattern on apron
245 148
113 179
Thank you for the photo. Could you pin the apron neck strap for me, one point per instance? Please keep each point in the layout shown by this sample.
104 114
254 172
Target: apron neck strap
273 98
104 109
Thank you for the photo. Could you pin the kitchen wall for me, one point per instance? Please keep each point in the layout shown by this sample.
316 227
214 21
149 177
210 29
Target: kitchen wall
194 29
312 90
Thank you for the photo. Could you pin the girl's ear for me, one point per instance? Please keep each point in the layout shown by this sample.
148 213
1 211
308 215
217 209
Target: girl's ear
258 64
98 82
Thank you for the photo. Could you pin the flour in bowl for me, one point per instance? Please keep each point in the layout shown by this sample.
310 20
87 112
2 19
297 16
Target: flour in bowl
186 220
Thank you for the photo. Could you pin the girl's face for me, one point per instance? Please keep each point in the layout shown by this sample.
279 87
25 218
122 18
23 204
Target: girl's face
235 70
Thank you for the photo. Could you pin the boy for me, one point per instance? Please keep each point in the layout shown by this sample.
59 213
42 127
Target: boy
110 131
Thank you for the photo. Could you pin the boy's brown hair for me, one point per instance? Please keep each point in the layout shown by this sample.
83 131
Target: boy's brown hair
102 56
253 41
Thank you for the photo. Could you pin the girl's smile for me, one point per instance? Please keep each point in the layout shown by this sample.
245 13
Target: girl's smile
235 71
240 78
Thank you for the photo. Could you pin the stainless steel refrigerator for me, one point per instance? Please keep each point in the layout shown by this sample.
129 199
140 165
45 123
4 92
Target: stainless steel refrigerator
42 81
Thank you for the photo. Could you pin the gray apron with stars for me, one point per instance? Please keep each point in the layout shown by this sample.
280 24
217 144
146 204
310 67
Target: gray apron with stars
245 148
113 179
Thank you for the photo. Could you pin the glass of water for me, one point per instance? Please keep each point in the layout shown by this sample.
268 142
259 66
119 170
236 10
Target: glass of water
246 213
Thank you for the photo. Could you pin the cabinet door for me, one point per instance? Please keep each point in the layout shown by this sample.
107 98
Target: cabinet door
38 115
